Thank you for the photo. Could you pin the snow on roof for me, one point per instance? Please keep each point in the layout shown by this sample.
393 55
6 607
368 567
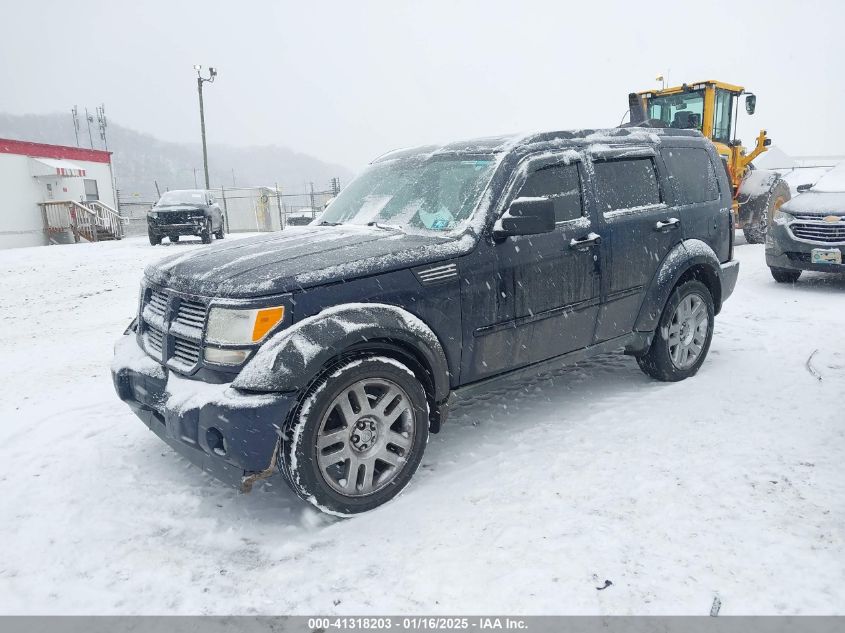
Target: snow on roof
504 143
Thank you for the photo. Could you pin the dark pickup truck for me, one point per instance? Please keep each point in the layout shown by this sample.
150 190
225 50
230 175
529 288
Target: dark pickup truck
330 352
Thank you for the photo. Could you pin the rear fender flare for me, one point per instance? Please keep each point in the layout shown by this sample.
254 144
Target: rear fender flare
689 256
293 358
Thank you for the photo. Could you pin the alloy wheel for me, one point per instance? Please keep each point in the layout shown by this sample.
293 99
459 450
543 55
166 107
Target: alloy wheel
365 437
688 330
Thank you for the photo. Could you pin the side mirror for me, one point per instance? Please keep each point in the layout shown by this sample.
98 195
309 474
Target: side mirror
526 216
750 103
802 188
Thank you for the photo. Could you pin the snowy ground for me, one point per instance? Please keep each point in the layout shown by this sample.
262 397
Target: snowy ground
728 484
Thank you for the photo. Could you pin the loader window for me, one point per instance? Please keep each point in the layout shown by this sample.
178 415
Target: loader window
682 111
722 117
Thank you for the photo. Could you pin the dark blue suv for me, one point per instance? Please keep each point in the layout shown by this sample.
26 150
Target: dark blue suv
330 352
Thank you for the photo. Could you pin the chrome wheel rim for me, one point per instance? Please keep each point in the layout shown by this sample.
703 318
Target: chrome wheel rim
688 330
365 437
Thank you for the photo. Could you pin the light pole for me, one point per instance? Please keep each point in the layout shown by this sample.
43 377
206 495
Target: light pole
212 73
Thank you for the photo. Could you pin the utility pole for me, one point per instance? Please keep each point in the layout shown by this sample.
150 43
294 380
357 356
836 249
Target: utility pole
212 73
233 178
90 120
313 213
75 114
196 186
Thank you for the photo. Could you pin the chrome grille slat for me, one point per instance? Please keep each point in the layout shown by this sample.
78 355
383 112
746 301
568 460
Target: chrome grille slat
155 339
191 314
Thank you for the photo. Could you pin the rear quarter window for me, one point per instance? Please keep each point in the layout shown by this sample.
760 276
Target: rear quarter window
626 183
692 171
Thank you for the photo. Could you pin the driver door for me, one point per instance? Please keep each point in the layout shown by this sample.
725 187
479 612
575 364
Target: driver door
544 289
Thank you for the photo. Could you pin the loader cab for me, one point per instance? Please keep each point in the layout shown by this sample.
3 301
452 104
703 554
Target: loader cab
709 107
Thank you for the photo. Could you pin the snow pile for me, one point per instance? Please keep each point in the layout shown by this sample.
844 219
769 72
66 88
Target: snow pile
729 483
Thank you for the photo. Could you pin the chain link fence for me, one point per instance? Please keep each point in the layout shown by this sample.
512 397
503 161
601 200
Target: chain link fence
246 209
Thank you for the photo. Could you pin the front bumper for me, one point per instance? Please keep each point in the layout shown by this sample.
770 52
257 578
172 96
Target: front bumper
729 274
182 228
785 251
228 433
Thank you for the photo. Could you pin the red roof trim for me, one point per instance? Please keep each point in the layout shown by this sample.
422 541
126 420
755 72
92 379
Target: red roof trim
42 150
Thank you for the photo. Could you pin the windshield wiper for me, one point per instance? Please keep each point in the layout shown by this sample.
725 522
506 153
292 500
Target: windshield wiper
386 227
327 223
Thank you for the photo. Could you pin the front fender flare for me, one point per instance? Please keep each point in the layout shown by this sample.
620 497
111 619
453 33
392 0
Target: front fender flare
680 259
291 359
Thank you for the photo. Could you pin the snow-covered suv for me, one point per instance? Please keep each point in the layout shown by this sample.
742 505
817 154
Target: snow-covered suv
808 232
330 352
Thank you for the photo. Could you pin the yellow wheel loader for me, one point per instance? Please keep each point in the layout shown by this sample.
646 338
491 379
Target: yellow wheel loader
712 108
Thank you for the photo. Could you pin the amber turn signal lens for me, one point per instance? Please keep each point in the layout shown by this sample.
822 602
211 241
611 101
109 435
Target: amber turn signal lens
265 321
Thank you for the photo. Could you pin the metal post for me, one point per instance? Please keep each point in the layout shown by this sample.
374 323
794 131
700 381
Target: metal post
279 204
313 212
225 209
202 127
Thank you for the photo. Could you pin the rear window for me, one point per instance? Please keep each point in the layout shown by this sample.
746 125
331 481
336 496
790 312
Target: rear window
626 183
561 184
693 174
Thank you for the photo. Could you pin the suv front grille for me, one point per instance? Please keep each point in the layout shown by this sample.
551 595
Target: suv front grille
171 328
823 232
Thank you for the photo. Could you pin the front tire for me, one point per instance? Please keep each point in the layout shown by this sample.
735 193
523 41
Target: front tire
358 437
155 238
205 235
785 275
683 335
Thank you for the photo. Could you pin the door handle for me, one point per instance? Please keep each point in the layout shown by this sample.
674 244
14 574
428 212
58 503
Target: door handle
667 225
591 239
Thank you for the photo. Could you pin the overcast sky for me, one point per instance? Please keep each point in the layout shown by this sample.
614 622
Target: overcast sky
346 81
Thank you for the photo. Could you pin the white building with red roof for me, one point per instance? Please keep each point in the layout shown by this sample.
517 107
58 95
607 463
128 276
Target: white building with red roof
55 194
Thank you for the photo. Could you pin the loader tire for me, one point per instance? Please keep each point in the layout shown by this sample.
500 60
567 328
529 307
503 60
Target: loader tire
769 204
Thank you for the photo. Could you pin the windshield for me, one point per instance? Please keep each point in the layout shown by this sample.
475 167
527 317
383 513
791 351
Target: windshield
181 197
429 194
682 111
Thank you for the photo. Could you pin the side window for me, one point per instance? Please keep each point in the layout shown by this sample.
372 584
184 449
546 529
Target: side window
626 183
562 184
693 173
722 117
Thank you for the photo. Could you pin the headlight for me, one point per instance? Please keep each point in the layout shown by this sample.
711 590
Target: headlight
154 215
227 326
782 217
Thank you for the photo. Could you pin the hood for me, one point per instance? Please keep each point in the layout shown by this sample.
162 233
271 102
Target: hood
816 202
297 258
